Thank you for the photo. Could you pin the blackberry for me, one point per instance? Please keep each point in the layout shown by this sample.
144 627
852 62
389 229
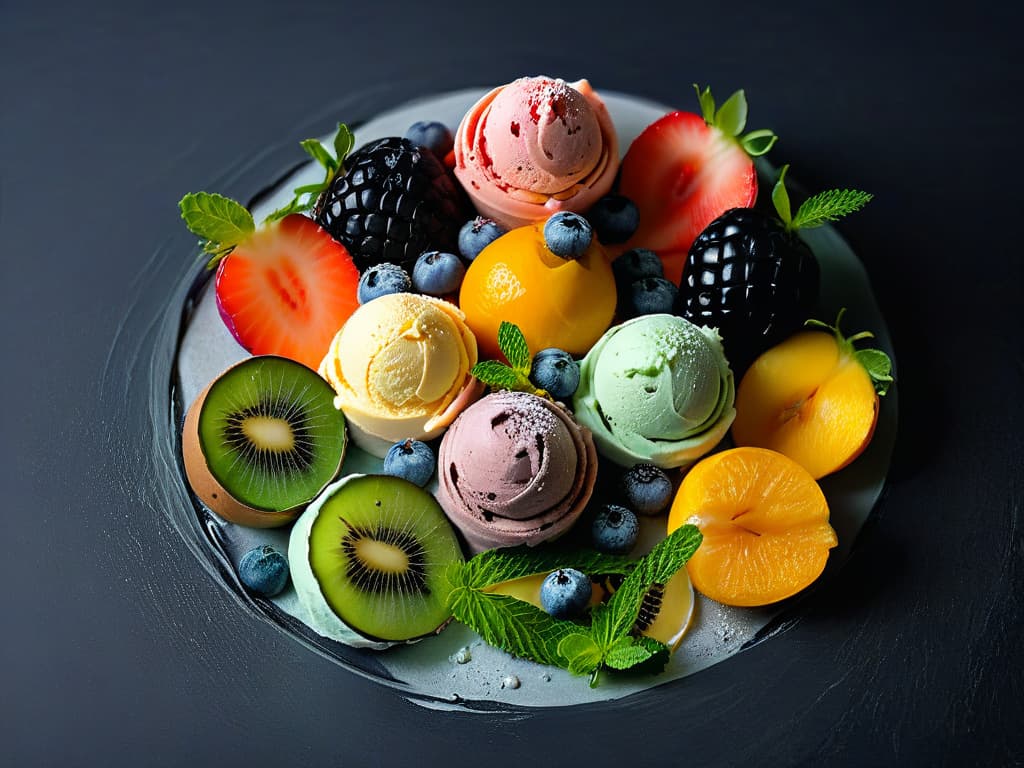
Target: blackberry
751 276
394 202
748 276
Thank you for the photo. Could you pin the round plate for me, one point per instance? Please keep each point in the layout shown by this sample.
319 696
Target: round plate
427 672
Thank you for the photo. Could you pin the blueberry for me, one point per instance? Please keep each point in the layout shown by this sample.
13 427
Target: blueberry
437 273
411 459
615 530
554 370
614 218
652 296
380 280
565 593
568 235
435 136
264 570
647 489
637 264
476 234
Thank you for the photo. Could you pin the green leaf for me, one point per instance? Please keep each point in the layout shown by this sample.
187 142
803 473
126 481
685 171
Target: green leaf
657 567
495 374
628 652
780 197
514 347
731 117
495 566
707 103
516 627
879 368
759 142
222 222
319 152
581 653
344 141
830 205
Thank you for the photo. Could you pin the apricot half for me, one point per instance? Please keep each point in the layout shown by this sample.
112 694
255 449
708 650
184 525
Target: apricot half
556 302
765 526
811 398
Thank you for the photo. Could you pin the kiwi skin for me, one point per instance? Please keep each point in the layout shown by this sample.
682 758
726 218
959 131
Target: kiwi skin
211 492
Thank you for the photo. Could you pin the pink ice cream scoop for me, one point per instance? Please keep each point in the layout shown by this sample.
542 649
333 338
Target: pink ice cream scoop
534 147
515 469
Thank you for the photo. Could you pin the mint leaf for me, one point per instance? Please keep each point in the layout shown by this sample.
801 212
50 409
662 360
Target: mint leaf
500 565
830 205
657 567
582 655
629 652
731 117
512 625
514 347
222 222
879 368
495 374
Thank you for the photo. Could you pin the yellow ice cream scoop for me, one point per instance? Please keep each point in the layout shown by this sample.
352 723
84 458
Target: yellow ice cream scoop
401 369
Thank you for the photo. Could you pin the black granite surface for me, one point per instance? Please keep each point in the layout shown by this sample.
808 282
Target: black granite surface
118 650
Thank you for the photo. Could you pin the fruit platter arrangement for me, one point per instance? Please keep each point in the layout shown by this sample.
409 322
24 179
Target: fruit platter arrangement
542 385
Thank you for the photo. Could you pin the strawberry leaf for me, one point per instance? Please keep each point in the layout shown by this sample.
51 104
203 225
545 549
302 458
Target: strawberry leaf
707 103
780 198
759 142
731 117
222 222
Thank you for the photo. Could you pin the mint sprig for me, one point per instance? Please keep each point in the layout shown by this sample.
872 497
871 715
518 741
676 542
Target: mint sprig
222 222
731 118
612 640
875 361
830 205
515 375
305 197
526 631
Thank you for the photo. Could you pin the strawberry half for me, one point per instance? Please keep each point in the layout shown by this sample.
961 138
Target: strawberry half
685 170
286 290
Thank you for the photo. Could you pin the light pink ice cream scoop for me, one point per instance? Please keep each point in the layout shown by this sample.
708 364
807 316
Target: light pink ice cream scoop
515 469
534 147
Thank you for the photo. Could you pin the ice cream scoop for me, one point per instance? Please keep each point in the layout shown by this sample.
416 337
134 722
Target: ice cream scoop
401 369
534 147
515 469
656 389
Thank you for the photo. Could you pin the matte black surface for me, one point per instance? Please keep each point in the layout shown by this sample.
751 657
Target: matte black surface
119 650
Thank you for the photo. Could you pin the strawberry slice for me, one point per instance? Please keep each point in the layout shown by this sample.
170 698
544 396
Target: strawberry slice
287 289
685 170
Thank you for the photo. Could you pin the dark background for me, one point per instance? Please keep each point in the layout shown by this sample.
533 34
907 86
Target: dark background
119 650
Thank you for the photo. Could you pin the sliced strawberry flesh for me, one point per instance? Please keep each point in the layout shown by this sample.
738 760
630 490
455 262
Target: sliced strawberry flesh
287 290
683 174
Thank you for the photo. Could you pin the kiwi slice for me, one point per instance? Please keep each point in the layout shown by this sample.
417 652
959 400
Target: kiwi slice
368 560
262 440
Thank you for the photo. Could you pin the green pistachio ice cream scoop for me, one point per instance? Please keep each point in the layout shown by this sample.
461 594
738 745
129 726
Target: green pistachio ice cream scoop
656 389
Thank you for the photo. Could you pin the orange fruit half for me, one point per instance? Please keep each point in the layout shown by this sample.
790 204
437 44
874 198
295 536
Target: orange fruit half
765 526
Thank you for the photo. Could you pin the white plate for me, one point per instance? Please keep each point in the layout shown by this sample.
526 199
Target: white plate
426 671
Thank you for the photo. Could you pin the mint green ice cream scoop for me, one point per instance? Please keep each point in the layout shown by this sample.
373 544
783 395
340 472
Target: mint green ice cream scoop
656 389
